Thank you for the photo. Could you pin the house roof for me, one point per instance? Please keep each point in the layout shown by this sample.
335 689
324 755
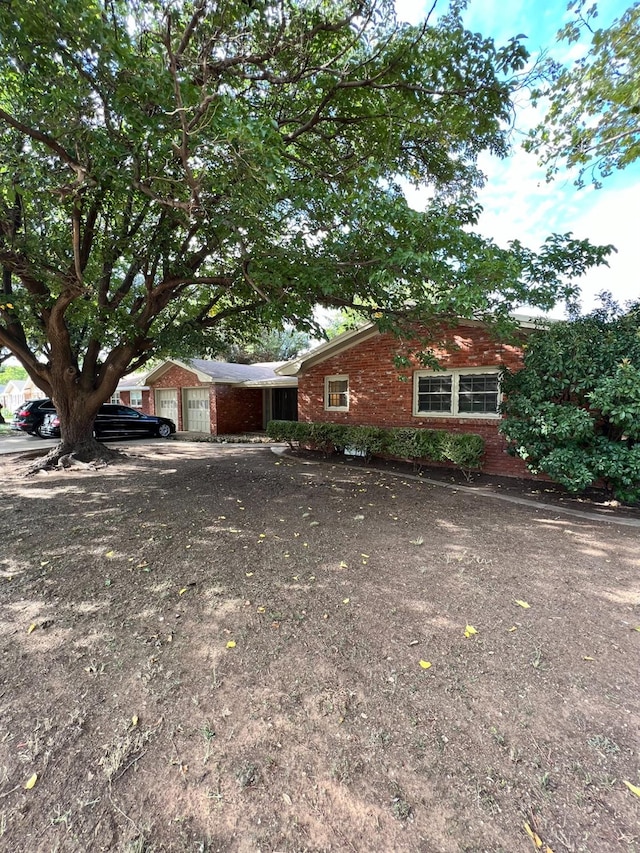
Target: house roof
227 373
369 330
133 382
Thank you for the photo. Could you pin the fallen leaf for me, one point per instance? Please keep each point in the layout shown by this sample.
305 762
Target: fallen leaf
637 628
533 835
31 781
134 720
183 590
231 644
469 631
522 604
31 628
633 788
425 664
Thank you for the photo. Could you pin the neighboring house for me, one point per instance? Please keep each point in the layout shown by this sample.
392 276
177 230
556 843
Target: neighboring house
133 391
353 379
19 391
221 398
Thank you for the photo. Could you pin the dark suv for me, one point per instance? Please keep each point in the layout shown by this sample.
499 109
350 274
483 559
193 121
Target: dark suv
30 416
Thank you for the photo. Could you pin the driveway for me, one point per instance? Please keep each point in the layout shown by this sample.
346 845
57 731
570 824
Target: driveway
20 442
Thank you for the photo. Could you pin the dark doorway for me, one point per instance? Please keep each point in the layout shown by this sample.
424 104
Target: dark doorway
285 404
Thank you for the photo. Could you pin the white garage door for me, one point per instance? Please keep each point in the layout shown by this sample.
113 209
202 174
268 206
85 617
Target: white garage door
167 405
196 409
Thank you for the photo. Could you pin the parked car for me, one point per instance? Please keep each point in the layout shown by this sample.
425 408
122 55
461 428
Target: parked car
115 421
30 416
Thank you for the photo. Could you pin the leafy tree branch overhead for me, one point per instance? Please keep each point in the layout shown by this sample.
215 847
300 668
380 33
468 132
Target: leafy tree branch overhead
177 174
593 120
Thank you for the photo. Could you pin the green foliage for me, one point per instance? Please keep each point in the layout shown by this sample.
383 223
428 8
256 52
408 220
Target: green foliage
172 180
366 440
573 411
402 442
289 431
463 450
266 345
11 371
592 119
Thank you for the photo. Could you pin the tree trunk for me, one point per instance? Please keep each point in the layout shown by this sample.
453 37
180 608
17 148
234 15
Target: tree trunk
77 413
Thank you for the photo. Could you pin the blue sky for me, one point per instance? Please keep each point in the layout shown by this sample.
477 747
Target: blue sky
517 201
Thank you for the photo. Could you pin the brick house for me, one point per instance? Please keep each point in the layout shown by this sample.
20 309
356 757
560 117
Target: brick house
353 379
133 391
221 398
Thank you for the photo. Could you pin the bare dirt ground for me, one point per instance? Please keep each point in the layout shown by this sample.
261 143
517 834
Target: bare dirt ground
212 648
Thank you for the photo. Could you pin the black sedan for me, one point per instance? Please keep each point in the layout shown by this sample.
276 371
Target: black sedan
115 421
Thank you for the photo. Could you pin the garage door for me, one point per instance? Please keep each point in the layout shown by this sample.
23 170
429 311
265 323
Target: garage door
167 405
196 409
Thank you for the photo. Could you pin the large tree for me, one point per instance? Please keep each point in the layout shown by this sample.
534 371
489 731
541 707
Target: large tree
174 173
593 119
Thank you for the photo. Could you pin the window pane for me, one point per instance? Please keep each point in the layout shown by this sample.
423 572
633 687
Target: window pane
337 393
434 394
478 393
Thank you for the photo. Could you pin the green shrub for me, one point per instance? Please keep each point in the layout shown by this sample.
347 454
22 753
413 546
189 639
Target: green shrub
430 444
289 431
464 449
402 442
367 440
573 410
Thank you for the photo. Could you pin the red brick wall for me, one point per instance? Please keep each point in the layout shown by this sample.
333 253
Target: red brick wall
239 409
378 396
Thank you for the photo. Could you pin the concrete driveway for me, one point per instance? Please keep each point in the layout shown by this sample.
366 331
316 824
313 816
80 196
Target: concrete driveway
20 442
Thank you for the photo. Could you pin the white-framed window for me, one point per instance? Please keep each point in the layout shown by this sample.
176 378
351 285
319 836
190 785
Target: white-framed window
115 398
469 392
336 393
135 399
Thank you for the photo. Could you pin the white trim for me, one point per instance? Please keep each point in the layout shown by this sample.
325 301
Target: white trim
455 374
342 377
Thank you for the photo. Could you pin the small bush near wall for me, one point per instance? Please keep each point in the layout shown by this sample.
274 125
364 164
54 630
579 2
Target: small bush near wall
464 450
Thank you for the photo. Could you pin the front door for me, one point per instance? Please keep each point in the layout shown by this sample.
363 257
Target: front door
285 404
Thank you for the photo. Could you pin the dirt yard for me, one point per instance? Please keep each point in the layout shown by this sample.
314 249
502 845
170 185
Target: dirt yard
213 648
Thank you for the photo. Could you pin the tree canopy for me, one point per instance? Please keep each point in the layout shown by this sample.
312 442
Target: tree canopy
593 120
174 174
573 411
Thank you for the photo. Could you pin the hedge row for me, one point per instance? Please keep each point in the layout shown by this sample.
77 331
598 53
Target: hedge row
464 450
